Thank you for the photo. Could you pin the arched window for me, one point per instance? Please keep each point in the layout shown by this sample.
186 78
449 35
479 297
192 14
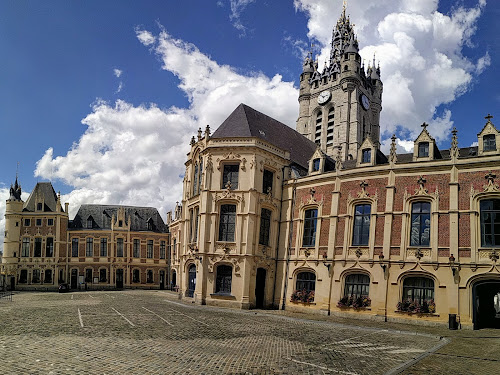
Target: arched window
304 287
490 222
420 224
361 229
223 280
310 219
319 120
357 285
418 295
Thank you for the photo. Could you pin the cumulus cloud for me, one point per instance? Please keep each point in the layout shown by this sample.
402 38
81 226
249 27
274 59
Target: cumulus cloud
420 54
117 72
237 8
135 154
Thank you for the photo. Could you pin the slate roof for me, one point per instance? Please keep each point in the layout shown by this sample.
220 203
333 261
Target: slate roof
247 122
45 190
103 214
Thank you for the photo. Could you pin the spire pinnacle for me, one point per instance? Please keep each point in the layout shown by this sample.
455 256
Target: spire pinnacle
344 6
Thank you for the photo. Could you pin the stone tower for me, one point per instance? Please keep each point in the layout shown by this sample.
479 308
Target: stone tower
13 216
340 106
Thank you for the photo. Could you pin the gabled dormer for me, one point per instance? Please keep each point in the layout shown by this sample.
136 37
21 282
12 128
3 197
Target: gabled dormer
367 153
488 139
425 148
317 162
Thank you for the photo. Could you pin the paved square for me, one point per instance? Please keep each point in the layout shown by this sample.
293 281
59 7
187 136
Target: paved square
148 332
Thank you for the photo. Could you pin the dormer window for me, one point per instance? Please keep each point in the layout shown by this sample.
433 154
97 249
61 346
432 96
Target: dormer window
489 142
39 206
120 223
316 165
366 156
423 149
90 222
150 224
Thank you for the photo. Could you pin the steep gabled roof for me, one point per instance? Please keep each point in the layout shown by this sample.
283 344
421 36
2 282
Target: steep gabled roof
103 214
45 191
247 122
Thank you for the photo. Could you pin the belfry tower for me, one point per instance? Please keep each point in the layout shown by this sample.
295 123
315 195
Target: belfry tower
340 106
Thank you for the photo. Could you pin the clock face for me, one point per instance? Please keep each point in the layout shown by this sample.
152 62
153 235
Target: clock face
324 97
365 102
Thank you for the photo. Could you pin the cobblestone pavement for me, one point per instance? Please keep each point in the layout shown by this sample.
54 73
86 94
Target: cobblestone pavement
148 332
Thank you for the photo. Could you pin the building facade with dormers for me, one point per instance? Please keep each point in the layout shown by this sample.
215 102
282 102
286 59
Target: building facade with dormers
103 247
320 220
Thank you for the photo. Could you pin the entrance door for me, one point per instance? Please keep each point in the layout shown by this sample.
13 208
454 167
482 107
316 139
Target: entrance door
174 278
12 285
74 279
191 280
260 286
486 301
119 279
162 280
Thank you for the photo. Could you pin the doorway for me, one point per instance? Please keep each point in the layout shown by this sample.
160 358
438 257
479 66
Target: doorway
260 287
486 304
174 278
191 281
119 279
162 280
74 278
12 285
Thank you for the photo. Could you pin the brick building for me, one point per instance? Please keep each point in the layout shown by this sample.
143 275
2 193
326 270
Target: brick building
102 247
321 220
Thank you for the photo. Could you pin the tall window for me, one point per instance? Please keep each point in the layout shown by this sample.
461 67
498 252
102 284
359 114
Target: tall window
227 222
89 248
330 126
36 276
90 222
38 247
357 285
104 247
23 277
49 247
195 180
265 225
490 222
175 247
361 230
88 275
48 277
136 277
27 222
74 247
149 275
150 249
26 247
102 275
423 149
137 248
319 120
119 247
489 142
200 174
306 281
310 219
194 214
162 249
267 181
418 289
223 280
230 174
366 155
420 224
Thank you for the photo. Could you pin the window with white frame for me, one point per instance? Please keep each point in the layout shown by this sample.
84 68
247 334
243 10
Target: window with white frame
104 247
162 249
74 247
136 250
490 222
150 249
89 248
361 227
25 251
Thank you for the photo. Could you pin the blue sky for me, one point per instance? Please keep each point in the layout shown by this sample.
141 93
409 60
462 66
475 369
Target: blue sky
184 64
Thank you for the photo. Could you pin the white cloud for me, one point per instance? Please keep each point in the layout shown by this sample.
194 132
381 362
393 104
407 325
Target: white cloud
135 154
237 8
299 47
117 72
120 87
420 53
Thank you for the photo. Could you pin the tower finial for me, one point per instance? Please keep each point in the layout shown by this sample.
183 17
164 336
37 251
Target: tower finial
344 6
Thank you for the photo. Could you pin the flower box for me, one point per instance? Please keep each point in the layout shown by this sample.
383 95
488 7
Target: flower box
357 303
305 296
415 307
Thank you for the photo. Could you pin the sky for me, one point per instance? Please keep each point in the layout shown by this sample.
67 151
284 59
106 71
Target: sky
101 97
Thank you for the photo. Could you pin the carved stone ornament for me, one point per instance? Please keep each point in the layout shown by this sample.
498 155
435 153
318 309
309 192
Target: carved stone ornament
358 252
268 198
209 163
229 156
421 190
226 247
493 256
393 155
234 260
490 185
268 162
228 194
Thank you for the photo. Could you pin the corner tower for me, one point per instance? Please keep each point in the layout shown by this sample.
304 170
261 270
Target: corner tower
340 106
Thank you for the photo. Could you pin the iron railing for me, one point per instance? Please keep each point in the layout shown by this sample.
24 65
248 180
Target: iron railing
6 296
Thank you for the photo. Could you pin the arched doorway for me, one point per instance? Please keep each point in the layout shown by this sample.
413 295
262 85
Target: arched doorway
486 304
191 280
260 287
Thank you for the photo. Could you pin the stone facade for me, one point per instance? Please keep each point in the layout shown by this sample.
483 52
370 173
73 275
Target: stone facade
43 248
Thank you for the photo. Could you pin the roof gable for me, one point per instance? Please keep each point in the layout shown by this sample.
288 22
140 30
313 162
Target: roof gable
43 192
